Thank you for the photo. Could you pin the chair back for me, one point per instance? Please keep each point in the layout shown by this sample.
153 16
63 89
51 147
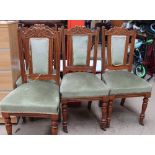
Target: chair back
39 53
117 48
77 54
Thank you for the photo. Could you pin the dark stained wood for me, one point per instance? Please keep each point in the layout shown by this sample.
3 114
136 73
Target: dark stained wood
109 112
8 123
89 105
89 49
24 34
104 114
65 116
144 106
122 101
130 35
54 125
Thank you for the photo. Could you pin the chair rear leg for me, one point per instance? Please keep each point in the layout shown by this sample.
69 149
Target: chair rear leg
103 122
24 119
110 106
65 116
122 101
100 104
59 119
8 123
144 106
89 105
54 125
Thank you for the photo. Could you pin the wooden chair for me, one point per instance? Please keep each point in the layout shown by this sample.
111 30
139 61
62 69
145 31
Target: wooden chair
116 69
38 96
79 80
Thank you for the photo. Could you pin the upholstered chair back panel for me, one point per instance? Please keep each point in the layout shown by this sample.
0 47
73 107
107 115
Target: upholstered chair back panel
77 44
80 46
39 48
118 43
39 53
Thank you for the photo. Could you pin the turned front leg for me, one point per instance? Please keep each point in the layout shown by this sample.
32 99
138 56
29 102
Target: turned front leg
144 106
65 116
54 125
109 113
104 115
8 123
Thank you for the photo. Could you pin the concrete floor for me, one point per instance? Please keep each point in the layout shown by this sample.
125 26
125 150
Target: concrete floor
84 122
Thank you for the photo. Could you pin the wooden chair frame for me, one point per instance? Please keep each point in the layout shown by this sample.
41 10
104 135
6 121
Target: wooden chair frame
127 64
68 67
24 34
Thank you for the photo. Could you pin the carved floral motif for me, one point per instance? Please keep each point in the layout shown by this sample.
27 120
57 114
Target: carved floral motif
79 30
38 30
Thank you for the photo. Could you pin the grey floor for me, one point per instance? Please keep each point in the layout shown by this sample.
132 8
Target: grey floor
84 122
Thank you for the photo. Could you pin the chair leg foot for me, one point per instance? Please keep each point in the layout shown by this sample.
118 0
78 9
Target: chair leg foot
103 122
54 125
8 123
122 101
89 105
65 116
103 128
142 115
65 129
109 113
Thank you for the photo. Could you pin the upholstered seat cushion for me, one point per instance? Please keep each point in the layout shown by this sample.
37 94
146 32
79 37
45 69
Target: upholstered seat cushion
81 84
122 82
33 97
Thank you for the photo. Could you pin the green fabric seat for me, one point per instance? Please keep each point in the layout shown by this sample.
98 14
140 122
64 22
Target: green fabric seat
81 84
122 82
33 97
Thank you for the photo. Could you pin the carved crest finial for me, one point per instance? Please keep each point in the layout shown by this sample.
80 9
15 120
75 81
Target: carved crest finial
119 31
38 30
79 30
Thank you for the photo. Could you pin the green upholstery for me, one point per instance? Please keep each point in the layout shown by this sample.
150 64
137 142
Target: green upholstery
80 45
33 97
81 84
122 82
117 49
99 51
39 48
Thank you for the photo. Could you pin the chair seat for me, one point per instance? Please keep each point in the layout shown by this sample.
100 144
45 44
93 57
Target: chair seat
123 82
33 97
81 84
